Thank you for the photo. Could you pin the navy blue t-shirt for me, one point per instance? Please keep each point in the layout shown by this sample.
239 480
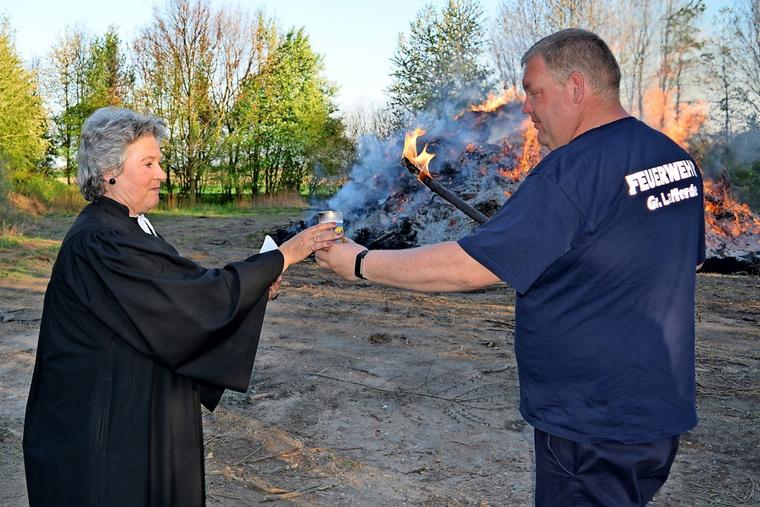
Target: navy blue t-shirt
601 242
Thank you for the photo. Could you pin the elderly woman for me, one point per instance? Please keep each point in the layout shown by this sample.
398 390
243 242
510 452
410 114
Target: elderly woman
134 337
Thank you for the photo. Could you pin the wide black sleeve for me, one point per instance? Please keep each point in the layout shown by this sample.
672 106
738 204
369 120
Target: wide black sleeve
199 322
210 396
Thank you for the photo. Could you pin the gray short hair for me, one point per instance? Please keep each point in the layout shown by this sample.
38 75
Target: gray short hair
106 134
575 50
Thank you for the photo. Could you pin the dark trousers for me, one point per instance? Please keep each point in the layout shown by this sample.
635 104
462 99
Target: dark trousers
572 473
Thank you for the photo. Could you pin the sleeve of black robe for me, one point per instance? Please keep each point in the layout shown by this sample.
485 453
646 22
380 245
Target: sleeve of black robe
201 323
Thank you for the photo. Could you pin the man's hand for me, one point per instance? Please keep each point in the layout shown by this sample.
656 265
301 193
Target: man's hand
307 242
341 258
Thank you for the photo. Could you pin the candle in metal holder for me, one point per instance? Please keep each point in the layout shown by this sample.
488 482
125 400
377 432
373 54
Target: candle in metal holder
332 216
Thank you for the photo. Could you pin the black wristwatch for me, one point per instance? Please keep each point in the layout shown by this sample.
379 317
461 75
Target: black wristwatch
358 264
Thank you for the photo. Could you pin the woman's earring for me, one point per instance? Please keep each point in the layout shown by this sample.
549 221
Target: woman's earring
112 181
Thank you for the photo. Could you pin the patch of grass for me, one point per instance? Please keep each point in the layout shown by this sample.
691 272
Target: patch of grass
10 237
9 242
24 258
52 194
211 210
227 209
259 205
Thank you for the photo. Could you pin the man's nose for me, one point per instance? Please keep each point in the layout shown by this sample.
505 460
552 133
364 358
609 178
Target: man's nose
526 106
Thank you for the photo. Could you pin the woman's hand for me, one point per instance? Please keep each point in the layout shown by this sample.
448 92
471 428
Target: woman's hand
274 289
307 242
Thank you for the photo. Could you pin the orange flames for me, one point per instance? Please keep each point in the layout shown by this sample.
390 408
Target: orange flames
494 102
724 215
420 161
530 155
679 123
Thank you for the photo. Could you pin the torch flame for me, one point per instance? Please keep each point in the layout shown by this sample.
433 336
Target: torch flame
420 161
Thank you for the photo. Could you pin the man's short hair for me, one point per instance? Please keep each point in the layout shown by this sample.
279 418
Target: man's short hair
575 50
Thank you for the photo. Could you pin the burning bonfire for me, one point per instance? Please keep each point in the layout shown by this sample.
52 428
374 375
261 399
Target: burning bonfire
481 157
732 230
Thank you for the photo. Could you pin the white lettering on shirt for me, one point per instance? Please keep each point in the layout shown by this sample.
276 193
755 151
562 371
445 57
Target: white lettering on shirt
672 196
649 179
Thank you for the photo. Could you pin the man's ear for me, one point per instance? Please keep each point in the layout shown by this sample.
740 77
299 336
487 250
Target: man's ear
578 83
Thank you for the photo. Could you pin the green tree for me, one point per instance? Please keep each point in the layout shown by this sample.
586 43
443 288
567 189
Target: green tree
190 65
246 47
746 177
108 79
175 55
22 117
65 87
439 62
286 109
245 108
84 74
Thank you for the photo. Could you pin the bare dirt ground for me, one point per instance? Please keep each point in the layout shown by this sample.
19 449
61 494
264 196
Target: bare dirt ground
363 395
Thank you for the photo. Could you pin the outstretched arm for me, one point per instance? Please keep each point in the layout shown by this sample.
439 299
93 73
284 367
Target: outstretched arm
443 267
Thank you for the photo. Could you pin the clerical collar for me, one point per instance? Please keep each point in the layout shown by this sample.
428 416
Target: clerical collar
145 224
141 219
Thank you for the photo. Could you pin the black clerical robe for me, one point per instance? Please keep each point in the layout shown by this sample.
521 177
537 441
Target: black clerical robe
133 339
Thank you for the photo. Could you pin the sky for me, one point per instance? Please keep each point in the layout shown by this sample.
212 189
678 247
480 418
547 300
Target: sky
356 38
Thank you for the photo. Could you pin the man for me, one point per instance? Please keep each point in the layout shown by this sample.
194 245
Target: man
600 242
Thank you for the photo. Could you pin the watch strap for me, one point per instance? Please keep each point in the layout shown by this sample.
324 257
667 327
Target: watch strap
358 264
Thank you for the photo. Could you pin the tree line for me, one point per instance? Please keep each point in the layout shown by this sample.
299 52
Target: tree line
246 106
248 109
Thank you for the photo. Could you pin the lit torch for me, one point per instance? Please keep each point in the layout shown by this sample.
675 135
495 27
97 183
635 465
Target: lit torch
418 166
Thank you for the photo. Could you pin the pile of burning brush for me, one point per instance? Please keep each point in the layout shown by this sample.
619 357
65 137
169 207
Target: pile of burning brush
481 157
732 231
